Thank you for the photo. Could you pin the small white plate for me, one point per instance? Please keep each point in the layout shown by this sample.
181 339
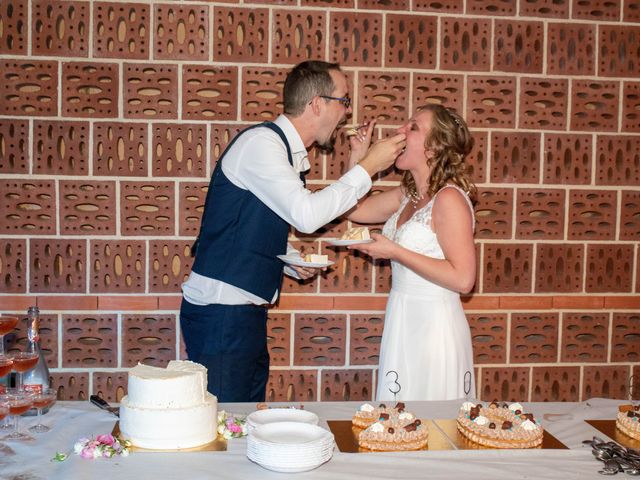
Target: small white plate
296 261
344 243
290 433
272 415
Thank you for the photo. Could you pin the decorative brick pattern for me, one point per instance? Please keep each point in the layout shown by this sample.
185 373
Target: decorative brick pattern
494 212
444 6
58 266
585 337
87 207
540 213
555 384
345 385
120 149
71 385
118 267
14 139
61 148
384 97
27 207
518 46
320 340
594 105
491 7
515 158
13 37
17 340
489 336
89 341
491 102
630 216
605 381
298 35
111 386
559 268
625 344
442 89
411 42
596 10
631 107
209 93
534 338
618 160
609 268
179 150
507 268
170 265
356 39
181 32
29 87
147 208
192 198
631 12
60 28
477 158
567 158
148 339
150 90
466 44
614 43
221 136
351 273
571 49
543 103
592 214
366 335
13 266
121 30
292 386
241 32
504 384
279 338
544 8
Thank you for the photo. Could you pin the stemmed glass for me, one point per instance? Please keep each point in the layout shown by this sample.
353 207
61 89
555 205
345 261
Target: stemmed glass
23 362
40 401
19 402
7 323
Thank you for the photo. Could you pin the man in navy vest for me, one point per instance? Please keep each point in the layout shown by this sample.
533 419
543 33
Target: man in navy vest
256 192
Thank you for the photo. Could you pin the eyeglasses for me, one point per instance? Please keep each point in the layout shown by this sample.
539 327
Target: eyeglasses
345 101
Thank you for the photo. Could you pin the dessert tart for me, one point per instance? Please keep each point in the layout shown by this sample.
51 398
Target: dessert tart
367 414
498 426
628 420
389 428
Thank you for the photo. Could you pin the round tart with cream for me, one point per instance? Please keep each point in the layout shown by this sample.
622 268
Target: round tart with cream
389 429
628 420
496 426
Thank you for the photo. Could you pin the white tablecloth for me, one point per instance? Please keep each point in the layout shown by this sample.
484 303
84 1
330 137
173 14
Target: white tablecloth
74 420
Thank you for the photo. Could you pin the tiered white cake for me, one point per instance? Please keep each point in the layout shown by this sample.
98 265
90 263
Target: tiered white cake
168 408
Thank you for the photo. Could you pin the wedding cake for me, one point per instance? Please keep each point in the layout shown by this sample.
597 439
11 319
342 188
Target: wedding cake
168 408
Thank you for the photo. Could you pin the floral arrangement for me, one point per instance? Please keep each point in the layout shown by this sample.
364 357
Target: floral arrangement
103 446
230 426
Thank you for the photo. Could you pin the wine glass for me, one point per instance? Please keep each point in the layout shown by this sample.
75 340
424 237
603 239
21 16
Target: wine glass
7 323
23 362
19 402
42 400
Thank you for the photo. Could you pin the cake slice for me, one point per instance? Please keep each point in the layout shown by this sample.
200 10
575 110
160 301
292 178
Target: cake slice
314 258
356 233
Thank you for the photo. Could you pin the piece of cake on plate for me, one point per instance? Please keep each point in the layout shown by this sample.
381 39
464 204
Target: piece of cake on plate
315 258
356 233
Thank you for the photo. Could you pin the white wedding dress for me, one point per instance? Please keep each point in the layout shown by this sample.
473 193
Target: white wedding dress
426 351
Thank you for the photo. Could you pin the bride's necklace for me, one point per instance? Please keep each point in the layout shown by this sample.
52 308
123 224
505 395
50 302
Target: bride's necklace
415 197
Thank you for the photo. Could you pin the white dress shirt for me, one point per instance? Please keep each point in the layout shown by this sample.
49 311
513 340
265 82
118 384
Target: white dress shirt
258 162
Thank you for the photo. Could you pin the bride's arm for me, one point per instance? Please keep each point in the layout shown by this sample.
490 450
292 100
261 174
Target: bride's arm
376 208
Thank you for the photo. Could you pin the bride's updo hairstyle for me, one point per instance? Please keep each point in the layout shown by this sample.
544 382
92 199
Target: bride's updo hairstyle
451 142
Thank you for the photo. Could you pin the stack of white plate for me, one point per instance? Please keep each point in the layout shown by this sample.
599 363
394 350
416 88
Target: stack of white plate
289 446
273 415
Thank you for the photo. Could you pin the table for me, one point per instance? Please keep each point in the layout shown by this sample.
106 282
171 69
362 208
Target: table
74 420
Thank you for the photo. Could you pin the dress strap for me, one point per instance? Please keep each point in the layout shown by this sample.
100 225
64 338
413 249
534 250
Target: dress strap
466 197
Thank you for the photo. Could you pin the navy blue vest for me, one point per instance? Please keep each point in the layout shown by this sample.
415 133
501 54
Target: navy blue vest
239 235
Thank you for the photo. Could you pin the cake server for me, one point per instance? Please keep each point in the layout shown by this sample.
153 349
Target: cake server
102 403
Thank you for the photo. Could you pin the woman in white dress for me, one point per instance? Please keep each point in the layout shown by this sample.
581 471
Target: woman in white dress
426 351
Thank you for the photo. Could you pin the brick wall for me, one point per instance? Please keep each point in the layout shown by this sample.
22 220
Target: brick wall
112 115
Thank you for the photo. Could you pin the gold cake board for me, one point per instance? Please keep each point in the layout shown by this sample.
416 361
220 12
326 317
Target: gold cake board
443 435
608 427
218 445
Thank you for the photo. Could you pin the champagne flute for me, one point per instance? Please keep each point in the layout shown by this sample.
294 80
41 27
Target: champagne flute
23 362
19 401
42 400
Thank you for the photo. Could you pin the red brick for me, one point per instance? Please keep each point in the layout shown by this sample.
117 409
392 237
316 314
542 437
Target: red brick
518 46
504 384
605 381
345 385
304 302
60 28
67 302
534 337
555 384
13 17
296 33
592 214
181 32
356 38
41 99
121 30
292 386
127 302
14 136
585 337
90 90
319 340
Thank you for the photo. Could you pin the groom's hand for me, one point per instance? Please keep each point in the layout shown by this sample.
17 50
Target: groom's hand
306 273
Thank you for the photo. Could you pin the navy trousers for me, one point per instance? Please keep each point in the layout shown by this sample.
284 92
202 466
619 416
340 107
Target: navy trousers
231 341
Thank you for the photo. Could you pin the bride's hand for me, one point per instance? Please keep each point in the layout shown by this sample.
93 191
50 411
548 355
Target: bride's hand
360 142
381 247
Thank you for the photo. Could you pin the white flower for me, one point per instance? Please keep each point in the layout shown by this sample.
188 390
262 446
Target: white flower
79 445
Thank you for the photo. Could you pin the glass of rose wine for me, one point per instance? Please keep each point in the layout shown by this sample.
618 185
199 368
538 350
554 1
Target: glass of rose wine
43 400
23 362
7 324
19 402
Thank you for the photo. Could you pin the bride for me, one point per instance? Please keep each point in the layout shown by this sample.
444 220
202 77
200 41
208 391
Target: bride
426 351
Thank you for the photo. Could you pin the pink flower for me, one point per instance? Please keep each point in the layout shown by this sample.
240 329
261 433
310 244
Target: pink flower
235 428
87 452
106 439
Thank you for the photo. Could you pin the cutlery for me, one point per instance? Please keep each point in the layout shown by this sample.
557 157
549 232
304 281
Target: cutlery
102 403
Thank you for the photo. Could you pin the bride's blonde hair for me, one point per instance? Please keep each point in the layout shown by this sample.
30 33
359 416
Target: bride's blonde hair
451 142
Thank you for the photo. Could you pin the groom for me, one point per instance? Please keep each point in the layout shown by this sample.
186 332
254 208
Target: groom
256 192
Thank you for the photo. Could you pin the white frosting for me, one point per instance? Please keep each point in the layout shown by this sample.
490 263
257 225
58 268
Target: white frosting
481 420
377 427
406 416
356 233
528 425
466 406
168 408
314 258
516 406
366 408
